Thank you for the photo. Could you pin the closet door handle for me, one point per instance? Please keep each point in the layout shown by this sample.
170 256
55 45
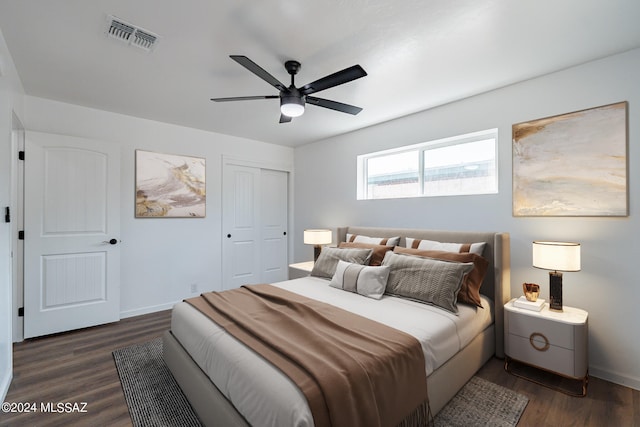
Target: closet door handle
228 236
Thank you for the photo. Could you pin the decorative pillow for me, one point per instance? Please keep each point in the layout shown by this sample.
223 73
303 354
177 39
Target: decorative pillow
359 238
364 280
432 245
425 279
470 289
377 254
325 265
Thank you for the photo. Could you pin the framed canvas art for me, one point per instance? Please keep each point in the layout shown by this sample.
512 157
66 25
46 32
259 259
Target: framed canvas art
169 186
573 164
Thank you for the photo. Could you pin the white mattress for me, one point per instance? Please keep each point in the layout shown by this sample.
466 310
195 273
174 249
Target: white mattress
265 396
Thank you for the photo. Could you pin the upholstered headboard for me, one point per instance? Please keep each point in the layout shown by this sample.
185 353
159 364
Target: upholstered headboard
497 281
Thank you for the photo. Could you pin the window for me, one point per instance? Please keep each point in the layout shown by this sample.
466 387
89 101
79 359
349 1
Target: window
459 165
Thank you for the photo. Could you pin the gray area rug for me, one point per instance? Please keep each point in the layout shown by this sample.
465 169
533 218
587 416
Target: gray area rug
482 403
153 396
155 399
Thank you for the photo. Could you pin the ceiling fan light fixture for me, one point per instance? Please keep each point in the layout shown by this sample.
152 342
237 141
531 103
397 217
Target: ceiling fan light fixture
292 106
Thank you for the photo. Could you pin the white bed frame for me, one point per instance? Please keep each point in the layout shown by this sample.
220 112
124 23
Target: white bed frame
214 409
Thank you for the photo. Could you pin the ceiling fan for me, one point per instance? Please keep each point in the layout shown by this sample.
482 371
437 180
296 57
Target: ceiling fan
293 99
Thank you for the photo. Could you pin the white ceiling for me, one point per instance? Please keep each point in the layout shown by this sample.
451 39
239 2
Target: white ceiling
418 54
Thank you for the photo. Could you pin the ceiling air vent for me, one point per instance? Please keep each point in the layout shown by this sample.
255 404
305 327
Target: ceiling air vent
130 34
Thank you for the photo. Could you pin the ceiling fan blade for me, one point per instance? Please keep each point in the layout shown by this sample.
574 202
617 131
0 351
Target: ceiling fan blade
258 71
284 119
244 98
335 79
333 105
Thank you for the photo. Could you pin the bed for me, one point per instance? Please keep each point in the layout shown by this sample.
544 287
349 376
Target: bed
193 363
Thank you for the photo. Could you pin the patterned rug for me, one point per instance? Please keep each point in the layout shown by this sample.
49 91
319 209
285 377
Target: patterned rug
153 396
155 399
482 403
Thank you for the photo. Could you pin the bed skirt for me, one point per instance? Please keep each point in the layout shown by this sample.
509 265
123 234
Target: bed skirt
213 408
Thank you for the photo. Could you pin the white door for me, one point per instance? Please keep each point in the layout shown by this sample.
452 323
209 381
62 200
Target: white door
72 231
254 226
274 194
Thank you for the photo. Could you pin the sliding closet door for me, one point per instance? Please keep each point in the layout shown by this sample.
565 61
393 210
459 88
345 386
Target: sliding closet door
254 225
274 193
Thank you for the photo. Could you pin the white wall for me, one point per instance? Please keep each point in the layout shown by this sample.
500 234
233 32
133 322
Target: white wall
11 94
607 287
161 257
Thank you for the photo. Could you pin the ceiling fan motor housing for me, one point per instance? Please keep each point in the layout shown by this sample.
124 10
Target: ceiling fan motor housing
292 102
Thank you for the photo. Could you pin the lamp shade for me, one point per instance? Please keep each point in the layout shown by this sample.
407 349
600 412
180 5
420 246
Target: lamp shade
558 256
317 237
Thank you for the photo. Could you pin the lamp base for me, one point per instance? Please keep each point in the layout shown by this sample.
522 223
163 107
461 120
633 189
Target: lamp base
316 252
555 291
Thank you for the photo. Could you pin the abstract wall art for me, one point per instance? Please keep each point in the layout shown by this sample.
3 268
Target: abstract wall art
572 164
169 185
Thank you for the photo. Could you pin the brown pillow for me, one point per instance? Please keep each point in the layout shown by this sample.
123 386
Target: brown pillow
359 238
378 250
470 290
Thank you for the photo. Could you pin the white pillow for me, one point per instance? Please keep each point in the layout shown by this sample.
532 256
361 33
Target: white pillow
359 238
364 280
432 245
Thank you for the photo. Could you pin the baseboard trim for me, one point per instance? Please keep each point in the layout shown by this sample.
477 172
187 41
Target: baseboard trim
615 377
4 387
147 310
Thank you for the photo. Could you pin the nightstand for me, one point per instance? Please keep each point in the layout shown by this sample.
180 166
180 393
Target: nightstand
300 269
555 341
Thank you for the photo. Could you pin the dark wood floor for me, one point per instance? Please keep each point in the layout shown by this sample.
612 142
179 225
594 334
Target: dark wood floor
78 367
606 404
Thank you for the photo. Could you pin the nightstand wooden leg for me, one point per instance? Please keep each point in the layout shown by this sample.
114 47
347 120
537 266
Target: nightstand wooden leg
506 363
514 367
585 383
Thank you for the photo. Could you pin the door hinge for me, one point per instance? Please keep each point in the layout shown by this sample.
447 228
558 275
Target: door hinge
21 155
21 312
21 235
7 214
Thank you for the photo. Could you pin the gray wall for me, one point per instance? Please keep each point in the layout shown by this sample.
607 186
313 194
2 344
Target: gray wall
607 286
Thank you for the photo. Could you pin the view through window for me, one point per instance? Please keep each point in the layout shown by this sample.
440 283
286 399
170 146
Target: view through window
459 165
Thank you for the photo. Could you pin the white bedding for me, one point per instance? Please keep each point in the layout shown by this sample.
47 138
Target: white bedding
265 396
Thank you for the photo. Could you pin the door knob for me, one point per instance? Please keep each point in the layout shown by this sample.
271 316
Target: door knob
228 236
111 242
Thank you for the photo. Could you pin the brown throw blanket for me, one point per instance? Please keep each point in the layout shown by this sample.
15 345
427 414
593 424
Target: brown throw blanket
352 370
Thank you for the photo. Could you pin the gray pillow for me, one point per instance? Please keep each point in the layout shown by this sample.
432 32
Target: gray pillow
426 280
325 265
369 281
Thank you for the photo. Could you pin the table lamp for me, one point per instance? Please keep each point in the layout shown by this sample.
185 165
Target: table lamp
558 257
317 238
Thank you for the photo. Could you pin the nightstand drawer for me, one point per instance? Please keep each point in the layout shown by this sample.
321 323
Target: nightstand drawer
556 359
558 334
